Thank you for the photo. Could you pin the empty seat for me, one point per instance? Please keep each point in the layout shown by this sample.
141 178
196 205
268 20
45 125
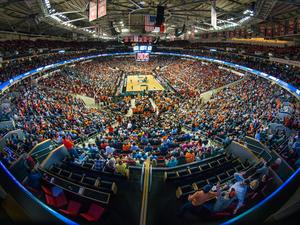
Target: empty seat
171 174
76 177
212 180
194 169
87 165
200 184
93 214
222 176
205 167
239 168
89 181
230 172
222 160
72 209
214 164
183 172
55 169
65 173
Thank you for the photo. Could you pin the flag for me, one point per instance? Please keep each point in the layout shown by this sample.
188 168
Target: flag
149 23
162 28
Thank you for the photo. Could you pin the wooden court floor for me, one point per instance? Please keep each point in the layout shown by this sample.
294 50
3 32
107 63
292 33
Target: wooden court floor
138 83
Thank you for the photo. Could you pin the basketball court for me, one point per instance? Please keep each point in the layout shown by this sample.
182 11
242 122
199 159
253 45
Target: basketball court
138 83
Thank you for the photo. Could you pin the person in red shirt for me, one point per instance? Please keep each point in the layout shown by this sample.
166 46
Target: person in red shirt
69 145
110 129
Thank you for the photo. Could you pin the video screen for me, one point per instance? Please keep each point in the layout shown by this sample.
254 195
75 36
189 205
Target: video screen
142 57
142 48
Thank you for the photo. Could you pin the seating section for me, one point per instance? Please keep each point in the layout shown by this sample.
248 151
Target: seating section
84 190
94 182
222 174
211 166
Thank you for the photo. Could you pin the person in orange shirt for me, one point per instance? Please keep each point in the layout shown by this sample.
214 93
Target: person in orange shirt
126 147
196 200
189 156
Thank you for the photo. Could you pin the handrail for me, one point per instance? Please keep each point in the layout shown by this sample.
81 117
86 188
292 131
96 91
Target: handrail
143 214
150 184
142 177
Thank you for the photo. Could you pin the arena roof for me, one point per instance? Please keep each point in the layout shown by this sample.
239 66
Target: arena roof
36 16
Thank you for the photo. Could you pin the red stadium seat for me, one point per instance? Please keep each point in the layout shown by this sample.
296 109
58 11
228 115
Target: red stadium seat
93 214
47 190
72 209
61 201
50 200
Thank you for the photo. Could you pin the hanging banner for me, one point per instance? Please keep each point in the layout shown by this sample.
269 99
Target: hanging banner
262 30
298 22
243 33
291 26
269 31
101 8
281 29
276 29
93 10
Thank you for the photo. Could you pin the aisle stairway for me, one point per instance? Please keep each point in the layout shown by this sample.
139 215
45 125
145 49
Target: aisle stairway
154 106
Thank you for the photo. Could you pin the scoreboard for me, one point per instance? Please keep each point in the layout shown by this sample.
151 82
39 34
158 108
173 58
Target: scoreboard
142 56
142 52
142 48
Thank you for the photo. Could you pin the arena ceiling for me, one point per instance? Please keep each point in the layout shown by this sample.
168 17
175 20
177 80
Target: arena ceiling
35 16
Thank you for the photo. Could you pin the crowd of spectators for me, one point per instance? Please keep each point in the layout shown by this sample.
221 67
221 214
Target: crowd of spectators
245 108
193 78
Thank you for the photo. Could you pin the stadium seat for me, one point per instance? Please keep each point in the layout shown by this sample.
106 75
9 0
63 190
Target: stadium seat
61 200
72 209
93 214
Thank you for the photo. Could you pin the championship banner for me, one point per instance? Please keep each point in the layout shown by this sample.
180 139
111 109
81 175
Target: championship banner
281 29
93 10
262 30
269 30
101 8
144 39
227 34
276 30
291 26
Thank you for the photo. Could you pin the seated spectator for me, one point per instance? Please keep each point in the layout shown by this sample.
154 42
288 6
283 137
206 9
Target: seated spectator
198 199
99 163
69 145
172 162
223 201
121 168
34 179
240 188
110 165
189 156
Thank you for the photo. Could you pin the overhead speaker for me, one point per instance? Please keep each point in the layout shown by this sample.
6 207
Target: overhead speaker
160 15
114 32
180 32
156 40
